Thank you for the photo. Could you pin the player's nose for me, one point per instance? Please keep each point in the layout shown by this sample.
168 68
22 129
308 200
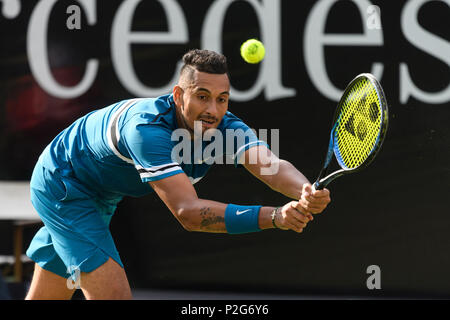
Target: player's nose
212 109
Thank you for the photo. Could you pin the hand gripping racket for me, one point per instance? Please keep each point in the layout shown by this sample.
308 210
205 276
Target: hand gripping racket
359 126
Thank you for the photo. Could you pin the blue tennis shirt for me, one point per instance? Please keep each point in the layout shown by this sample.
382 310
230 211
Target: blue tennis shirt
115 151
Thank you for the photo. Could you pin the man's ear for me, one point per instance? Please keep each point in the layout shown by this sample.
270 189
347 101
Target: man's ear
178 95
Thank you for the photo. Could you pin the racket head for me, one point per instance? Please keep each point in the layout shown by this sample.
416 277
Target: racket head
361 123
359 127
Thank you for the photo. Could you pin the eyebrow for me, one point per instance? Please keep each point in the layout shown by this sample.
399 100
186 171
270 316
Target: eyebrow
204 89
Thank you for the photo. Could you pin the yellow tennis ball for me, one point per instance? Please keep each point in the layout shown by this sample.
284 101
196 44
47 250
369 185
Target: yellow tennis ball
253 51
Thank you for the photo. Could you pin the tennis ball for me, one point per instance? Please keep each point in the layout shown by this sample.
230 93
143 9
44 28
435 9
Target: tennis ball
253 51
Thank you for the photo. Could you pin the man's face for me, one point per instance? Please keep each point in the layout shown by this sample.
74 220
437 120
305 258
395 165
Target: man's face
204 99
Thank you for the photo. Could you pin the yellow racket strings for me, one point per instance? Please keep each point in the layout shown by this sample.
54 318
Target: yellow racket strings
359 124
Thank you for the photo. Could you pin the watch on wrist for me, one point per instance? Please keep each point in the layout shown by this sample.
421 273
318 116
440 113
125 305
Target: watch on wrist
273 215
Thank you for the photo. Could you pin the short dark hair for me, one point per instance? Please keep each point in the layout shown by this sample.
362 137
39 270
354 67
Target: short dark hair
204 61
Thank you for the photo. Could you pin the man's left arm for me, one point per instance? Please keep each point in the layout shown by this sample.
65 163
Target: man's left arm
281 176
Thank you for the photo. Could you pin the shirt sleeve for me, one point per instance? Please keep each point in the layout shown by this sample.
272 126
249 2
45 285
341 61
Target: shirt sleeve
150 147
238 139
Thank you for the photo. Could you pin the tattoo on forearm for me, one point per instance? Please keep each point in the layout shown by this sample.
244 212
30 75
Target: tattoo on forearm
210 220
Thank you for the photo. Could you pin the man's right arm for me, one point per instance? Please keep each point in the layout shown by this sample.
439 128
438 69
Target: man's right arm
195 214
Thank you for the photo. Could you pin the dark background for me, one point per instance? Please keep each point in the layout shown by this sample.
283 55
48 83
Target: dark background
395 214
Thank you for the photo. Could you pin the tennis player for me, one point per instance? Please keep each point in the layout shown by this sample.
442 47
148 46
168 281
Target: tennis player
126 149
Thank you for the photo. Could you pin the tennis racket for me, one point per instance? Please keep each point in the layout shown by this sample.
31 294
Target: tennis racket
359 127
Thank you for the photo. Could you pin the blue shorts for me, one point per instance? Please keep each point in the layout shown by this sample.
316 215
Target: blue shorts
76 235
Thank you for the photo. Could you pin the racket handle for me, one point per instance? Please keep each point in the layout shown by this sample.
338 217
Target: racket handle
318 186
